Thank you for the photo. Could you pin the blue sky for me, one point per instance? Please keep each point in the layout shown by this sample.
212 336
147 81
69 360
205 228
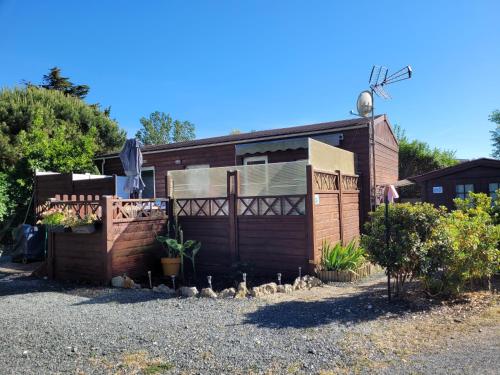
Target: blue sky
265 64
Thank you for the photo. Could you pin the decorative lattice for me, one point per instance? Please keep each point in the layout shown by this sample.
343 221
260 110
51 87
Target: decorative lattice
326 181
272 206
202 207
350 182
133 209
80 208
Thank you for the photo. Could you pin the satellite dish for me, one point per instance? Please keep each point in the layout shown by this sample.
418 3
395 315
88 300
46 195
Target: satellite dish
365 104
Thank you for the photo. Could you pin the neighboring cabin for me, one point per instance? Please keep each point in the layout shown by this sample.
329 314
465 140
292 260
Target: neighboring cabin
272 146
440 187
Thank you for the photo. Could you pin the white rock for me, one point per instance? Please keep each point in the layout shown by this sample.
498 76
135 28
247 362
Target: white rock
287 288
255 292
268 288
187 291
227 293
242 290
162 288
299 284
117 281
208 293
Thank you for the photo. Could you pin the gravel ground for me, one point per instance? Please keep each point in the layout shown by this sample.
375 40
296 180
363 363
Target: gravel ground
48 327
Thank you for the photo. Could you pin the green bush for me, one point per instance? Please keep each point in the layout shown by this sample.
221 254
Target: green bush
464 248
446 250
337 257
410 228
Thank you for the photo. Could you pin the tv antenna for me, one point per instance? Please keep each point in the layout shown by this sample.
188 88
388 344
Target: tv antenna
379 79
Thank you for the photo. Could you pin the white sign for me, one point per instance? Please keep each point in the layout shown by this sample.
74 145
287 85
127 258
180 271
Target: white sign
316 199
437 190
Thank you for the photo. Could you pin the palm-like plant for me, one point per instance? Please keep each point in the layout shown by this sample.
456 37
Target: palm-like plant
342 258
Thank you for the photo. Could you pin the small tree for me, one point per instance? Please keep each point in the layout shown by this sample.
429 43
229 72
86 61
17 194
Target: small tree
410 227
495 134
55 81
159 129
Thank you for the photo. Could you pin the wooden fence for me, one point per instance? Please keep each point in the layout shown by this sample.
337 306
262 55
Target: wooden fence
124 243
271 233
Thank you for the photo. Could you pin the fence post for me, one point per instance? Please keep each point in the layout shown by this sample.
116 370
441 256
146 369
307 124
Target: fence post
311 247
169 194
233 187
341 209
106 203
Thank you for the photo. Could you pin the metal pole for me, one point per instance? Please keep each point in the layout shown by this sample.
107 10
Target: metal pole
386 222
373 186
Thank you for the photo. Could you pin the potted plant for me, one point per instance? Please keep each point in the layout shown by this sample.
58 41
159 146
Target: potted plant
53 219
343 263
175 250
86 224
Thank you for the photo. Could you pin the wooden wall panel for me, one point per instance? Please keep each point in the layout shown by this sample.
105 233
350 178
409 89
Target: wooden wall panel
326 222
78 257
273 244
213 233
135 249
480 176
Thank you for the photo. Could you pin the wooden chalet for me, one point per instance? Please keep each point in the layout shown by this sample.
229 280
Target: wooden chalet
268 199
441 186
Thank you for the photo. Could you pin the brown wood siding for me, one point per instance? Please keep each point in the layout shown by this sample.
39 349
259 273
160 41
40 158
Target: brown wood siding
273 244
279 156
351 215
386 155
480 176
326 222
135 249
213 233
78 257
215 156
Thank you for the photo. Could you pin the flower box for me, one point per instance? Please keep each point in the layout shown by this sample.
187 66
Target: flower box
83 229
349 275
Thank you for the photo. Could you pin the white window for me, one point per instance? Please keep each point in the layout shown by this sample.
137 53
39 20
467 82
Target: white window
253 160
197 166
493 187
463 190
148 176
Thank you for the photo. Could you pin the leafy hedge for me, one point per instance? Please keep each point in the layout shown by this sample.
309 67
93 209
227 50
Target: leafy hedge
446 250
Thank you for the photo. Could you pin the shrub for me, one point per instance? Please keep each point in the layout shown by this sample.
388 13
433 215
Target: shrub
338 257
464 247
410 228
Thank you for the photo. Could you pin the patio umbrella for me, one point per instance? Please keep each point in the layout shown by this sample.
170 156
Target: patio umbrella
131 158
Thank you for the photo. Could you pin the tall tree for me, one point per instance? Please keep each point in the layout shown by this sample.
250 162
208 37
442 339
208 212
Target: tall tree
47 130
417 157
55 81
495 134
159 128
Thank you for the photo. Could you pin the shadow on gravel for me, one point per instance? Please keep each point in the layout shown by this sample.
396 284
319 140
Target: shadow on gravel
369 303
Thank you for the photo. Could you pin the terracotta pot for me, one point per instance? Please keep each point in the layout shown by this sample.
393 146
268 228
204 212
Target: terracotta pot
171 266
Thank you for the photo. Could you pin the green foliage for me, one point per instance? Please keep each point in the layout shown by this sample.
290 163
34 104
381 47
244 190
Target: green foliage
54 81
54 218
5 202
338 257
178 248
495 134
49 130
410 227
417 157
495 209
446 250
159 128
